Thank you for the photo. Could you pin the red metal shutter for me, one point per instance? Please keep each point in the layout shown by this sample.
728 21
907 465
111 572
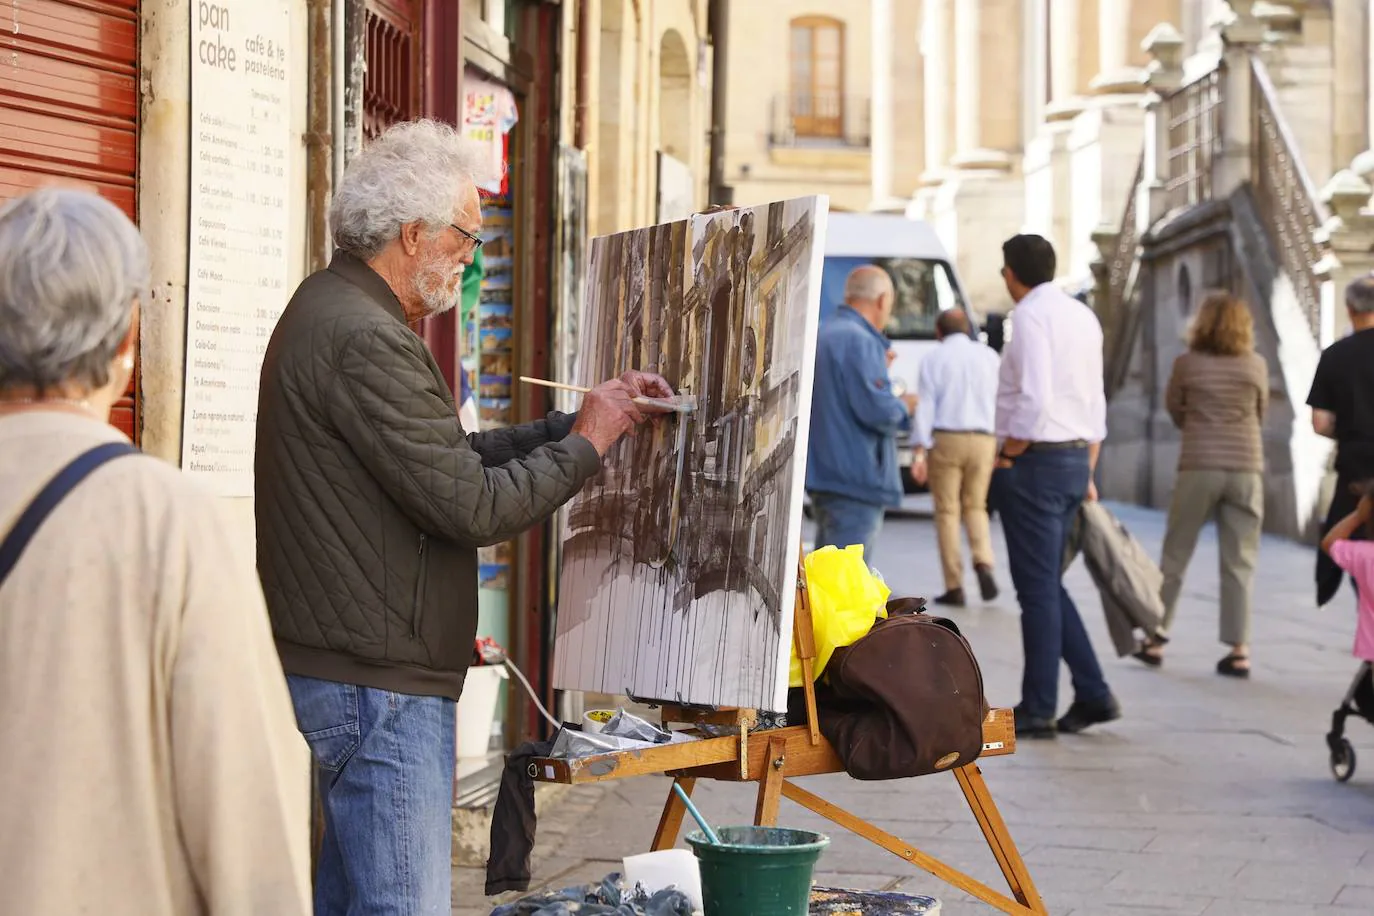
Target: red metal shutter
393 91
69 108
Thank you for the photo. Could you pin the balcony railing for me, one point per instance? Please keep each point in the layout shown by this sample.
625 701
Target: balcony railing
1289 205
1121 309
820 119
1195 138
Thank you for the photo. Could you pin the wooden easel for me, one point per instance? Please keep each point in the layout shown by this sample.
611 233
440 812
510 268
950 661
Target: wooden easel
774 757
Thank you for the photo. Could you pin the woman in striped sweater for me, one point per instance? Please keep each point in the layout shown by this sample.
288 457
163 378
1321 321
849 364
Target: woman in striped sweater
1218 393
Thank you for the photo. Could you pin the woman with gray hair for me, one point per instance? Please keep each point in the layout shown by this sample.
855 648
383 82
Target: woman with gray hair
151 763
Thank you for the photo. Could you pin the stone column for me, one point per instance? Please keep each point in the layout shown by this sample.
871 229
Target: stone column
1065 59
1064 50
1369 77
1115 75
1122 26
880 111
987 105
1233 166
1349 236
1163 76
908 101
935 53
1244 27
1350 30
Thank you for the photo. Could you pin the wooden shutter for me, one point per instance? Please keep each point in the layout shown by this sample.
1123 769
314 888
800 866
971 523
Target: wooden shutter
817 78
69 105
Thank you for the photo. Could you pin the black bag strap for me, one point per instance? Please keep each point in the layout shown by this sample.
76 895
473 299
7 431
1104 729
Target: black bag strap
53 493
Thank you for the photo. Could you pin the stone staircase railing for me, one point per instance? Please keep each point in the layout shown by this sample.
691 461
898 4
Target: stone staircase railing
1115 271
1224 130
1195 139
1290 207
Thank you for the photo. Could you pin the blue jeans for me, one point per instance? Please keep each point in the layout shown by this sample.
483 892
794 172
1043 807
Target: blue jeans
386 764
1038 497
841 521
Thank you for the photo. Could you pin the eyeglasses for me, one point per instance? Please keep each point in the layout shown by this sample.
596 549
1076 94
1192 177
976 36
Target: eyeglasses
476 240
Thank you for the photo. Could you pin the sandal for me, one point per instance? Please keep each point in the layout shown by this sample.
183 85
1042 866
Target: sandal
1151 651
1234 665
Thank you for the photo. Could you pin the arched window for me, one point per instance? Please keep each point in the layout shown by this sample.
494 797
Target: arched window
817 80
675 94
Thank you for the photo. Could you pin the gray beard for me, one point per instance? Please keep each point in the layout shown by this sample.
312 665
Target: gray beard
429 283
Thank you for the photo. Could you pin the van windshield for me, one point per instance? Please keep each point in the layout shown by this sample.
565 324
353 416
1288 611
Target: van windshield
924 288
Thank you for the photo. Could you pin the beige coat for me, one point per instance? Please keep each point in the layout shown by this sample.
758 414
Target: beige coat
149 759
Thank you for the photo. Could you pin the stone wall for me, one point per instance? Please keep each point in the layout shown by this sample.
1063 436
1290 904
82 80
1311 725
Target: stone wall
1219 245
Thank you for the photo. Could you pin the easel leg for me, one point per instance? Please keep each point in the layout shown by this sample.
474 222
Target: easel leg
901 848
670 824
999 839
770 785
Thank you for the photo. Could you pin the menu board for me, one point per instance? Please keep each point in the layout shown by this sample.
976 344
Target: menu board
240 181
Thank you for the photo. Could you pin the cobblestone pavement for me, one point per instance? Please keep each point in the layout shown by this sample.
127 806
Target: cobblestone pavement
1211 796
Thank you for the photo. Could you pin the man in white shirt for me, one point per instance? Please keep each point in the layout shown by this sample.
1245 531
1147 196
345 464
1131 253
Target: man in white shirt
1051 420
955 419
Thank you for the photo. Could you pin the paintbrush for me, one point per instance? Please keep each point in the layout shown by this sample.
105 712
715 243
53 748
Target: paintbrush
696 815
678 403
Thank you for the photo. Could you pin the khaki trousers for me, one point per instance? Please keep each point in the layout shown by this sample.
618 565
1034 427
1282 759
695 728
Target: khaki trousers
1236 500
960 468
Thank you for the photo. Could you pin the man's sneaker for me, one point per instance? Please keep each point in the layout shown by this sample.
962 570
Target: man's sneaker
986 583
952 598
1081 715
1033 726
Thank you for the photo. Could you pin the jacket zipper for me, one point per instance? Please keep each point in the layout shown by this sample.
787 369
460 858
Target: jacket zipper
418 610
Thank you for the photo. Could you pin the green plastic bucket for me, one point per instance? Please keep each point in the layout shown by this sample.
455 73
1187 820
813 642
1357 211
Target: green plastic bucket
757 871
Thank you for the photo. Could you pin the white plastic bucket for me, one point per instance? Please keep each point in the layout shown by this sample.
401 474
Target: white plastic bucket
477 709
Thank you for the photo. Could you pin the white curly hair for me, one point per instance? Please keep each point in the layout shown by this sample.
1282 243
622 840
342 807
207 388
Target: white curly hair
413 172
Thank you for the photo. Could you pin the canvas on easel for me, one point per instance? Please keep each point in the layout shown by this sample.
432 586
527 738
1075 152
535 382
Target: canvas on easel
677 581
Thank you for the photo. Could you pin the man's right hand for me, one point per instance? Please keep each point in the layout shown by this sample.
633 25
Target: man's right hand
607 413
910 400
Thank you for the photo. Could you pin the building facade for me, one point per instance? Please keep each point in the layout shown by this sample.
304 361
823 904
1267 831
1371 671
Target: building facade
1165 147
635 106
1042 136
825 98
1252 175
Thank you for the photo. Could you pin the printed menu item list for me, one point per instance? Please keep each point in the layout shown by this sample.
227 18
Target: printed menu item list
240 181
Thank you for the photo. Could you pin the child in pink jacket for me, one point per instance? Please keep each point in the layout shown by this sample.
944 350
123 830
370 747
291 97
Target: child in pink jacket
1357 558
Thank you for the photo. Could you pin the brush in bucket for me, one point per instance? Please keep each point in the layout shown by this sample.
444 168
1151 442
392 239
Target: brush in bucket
761 871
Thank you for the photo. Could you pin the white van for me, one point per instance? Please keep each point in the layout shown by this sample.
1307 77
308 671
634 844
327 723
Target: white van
925 280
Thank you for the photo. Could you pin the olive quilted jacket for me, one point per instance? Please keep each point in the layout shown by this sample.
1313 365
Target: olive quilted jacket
371 500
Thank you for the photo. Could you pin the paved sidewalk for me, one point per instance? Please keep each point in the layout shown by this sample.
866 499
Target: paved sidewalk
1211 796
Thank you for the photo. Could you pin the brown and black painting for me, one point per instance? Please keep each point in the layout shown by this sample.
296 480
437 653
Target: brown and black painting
679 560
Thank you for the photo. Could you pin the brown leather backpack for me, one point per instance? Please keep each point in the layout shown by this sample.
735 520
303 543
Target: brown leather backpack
904 700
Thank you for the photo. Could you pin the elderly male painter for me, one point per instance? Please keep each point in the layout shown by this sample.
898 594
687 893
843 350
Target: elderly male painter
371 503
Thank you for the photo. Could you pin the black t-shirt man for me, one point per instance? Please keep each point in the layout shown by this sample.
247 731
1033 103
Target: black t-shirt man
1342 398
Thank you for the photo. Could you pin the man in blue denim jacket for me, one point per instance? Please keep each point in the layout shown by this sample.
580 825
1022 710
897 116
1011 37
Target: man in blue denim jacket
851 472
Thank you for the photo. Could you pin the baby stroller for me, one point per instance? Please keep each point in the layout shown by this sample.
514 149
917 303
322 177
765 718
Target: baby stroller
1359 701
